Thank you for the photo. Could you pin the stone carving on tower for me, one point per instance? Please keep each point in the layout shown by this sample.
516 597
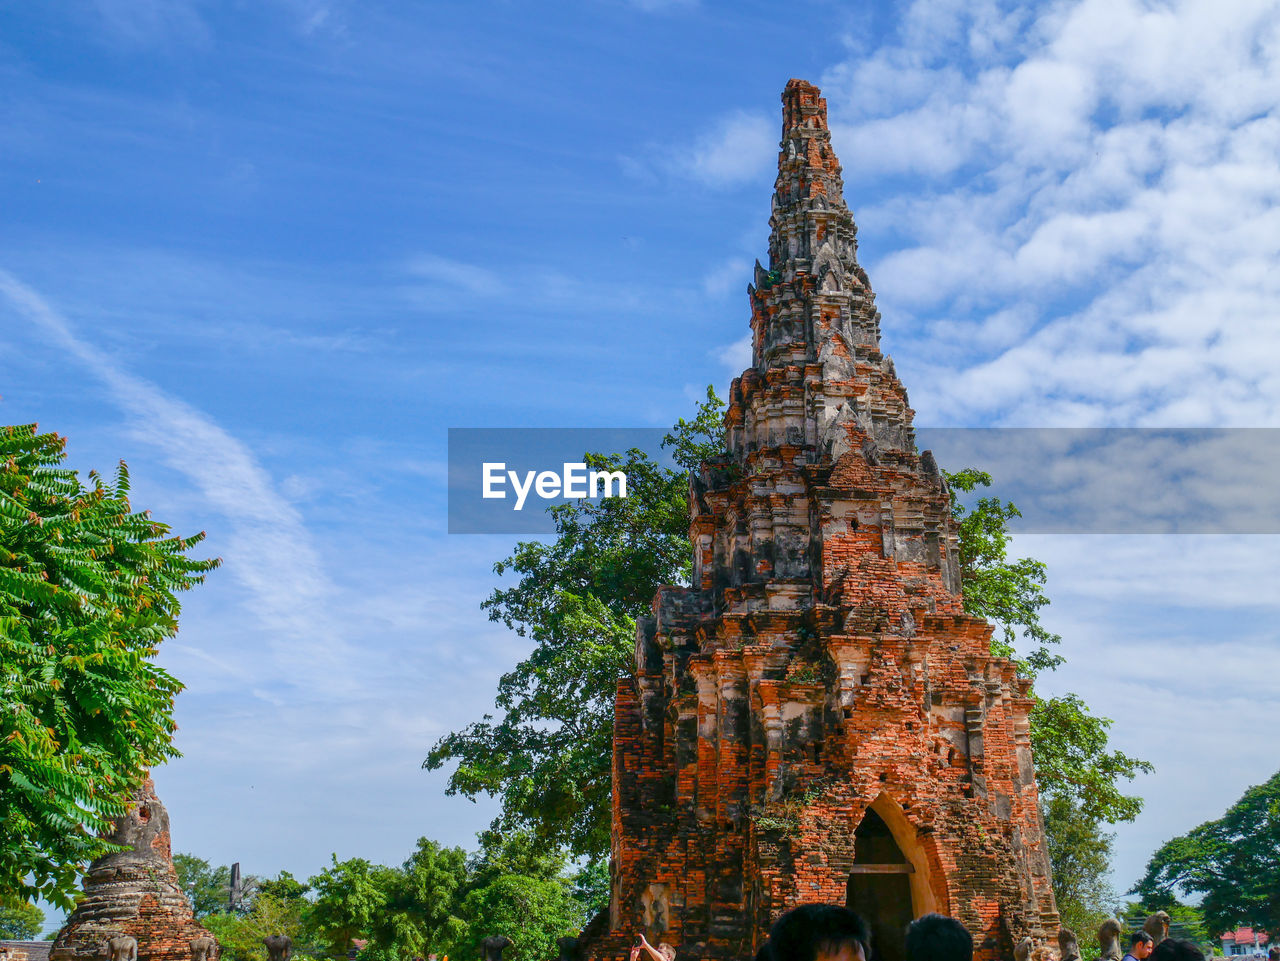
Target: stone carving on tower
133 908
816 718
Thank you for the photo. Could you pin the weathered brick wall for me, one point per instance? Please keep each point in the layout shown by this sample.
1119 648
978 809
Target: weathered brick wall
822 663
134 892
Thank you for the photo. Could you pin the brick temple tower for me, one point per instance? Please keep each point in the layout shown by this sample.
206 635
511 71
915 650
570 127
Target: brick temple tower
134 893
816 718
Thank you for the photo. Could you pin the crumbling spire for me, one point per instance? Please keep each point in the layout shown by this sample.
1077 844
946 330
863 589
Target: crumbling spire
816 718
813 267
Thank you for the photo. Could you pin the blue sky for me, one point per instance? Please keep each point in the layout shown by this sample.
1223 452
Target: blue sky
268 252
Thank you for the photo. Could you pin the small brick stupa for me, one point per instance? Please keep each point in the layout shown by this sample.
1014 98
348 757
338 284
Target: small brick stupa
817 719
133 893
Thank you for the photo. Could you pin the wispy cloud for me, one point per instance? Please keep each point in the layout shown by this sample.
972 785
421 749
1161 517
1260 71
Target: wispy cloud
742 147
732 275
736 357
272 553
457 274
433 279
149 22
739 148
662 6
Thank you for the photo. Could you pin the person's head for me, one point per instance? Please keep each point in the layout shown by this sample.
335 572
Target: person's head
1273 953
1140 944
820 932
936 937
1171 949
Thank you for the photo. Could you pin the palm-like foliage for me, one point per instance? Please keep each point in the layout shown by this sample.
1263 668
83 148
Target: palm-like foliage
87 592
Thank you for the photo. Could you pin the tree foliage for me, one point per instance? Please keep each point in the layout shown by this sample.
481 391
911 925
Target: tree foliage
240 933
1080 861
1077 775
20 921
209 888
420 913
1186 921
350 896
577 598
88 590
441 900
517 887
1233 863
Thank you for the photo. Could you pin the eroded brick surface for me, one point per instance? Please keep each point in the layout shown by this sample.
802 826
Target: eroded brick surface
821 663
134 892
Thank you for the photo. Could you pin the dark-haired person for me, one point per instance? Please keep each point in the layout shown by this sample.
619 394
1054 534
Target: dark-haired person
1140 946
936 937
1171 949
1273 953
820 932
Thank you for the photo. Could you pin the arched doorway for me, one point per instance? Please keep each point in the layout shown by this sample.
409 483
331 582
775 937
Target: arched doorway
881 886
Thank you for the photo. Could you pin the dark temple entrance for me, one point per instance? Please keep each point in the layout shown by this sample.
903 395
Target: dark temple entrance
880 887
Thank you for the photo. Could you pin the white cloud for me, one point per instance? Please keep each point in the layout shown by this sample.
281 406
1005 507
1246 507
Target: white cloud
728 277
736 356
742 147
1128 200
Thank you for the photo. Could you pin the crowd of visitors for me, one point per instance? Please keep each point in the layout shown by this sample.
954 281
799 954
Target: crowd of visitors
829 932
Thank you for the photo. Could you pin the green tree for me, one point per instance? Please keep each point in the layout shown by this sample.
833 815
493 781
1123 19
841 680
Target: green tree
87 592
1077 775
548 756
1080 860
20 921
208 888
241 934
1233 863
349 898
1186 921
517 887
531 911
591 888
283 886
419 914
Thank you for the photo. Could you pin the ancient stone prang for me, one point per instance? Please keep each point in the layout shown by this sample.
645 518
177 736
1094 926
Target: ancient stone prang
133 908
816 718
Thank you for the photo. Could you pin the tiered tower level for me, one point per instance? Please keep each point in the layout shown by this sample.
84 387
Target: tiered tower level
816 719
